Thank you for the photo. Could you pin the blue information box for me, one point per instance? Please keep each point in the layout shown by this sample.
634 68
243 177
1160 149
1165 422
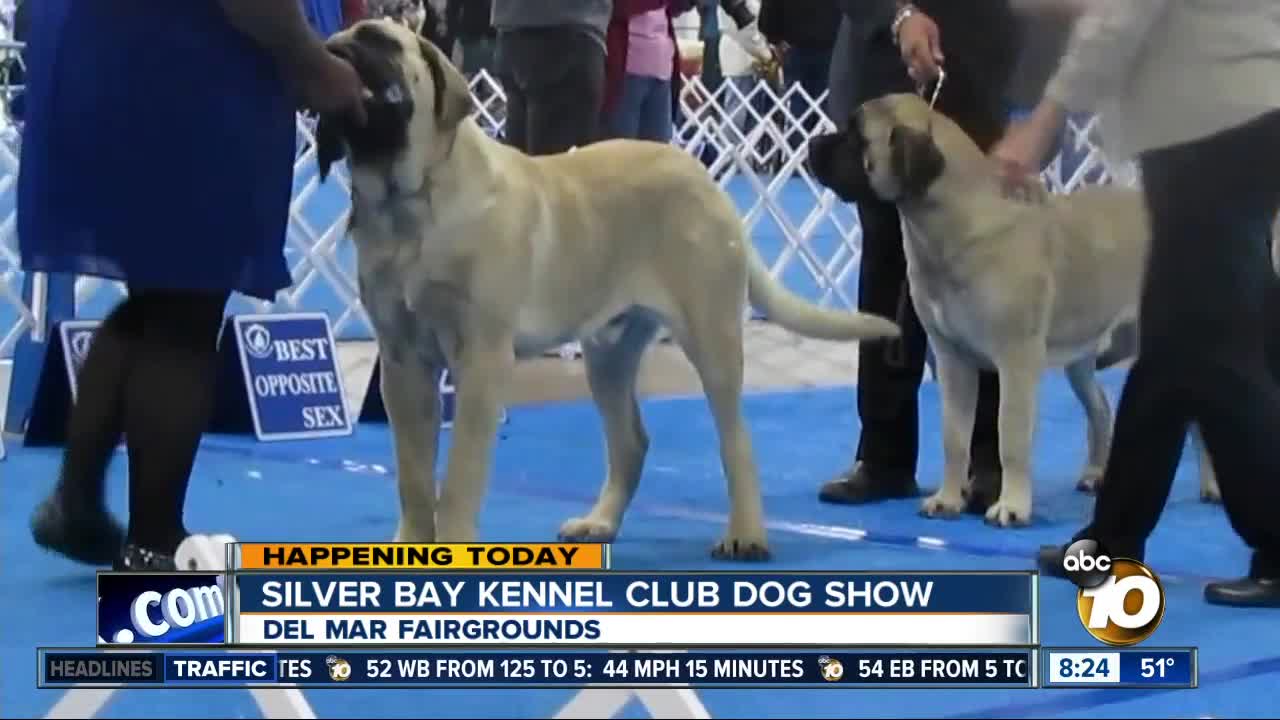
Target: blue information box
1119 667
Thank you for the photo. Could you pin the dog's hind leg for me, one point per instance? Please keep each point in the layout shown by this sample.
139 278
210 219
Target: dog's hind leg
1084 383
411 393
613 362
712 341
958 383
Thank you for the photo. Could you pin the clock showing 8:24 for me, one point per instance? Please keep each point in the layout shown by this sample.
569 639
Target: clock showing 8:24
1079 667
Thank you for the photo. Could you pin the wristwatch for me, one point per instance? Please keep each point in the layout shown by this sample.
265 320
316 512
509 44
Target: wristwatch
903 13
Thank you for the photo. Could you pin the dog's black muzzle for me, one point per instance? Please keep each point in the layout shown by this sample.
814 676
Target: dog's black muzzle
818 159
835 161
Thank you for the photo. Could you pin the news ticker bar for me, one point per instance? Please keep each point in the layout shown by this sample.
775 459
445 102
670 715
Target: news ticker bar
416 668
1169 668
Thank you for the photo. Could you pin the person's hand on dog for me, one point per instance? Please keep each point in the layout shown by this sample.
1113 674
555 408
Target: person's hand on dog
921 44
1025 147
329 85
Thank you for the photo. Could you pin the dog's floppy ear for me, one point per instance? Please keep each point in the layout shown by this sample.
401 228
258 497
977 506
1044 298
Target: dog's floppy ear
453 100
330 147
917 160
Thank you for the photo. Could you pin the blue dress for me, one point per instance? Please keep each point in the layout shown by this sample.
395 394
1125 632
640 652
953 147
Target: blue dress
158 148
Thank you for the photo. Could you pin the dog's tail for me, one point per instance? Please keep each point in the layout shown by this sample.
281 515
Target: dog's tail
800 316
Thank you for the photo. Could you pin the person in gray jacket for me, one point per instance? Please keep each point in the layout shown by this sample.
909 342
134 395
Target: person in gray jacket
1192 89
550 59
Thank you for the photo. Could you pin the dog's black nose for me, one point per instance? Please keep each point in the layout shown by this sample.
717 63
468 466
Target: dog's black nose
815 158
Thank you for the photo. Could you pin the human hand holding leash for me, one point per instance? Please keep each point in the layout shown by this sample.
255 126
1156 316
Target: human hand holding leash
920 42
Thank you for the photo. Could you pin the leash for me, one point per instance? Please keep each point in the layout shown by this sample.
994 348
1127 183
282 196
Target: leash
923 88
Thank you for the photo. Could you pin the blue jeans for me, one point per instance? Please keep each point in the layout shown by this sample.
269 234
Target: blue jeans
643 111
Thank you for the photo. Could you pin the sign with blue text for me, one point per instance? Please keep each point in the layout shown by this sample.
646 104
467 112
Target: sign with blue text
291 376
77 336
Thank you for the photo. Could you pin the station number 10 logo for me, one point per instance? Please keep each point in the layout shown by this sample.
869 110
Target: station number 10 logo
1120 601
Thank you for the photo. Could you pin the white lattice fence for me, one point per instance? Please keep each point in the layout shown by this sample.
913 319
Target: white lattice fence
751 137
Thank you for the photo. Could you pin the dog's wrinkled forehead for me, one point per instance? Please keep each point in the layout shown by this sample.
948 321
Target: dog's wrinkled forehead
377 52
890 111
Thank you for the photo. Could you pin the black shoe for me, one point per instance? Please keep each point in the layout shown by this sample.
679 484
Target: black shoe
984 490
1261 588
861 485
1245 592
88 536
1049 561
135 558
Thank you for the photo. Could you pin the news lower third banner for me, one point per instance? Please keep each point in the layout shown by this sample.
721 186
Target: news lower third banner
343 668
549 595
633 610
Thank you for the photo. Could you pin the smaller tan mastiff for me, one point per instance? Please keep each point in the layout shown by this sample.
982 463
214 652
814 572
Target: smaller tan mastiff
1014 285
472 254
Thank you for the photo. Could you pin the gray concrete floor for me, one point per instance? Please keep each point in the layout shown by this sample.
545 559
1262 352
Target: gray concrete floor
775 360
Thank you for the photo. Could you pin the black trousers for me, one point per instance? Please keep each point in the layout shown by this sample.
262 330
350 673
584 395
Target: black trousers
149 378
554 82
889 373
1209 344
810 69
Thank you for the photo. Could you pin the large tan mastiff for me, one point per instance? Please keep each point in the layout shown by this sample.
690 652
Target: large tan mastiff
472 254
1014 285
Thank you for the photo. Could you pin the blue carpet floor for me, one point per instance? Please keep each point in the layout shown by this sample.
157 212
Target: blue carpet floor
549 465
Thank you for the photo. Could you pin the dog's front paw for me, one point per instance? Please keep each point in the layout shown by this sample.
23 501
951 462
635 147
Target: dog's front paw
588 529
943 505
1006 513
1090 480
742 548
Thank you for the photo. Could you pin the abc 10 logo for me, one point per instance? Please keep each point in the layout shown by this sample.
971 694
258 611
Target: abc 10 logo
1121 601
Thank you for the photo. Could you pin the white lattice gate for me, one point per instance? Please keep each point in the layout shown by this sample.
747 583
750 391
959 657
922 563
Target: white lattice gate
750 137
